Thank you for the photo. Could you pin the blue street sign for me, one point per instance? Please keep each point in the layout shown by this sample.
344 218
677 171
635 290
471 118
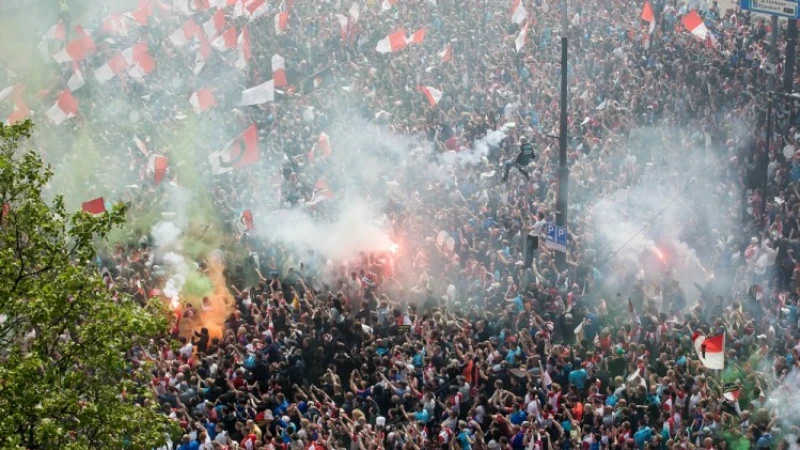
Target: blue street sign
781 8
556 237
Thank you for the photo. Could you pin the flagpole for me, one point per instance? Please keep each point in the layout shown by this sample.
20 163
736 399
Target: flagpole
563 170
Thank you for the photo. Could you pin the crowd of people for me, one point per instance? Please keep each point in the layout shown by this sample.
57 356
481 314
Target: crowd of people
447 339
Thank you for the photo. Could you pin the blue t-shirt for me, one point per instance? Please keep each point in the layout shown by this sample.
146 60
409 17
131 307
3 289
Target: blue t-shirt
463 439
578 378
642 436
518 417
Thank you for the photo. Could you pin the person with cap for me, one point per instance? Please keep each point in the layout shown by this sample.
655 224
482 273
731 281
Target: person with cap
525 156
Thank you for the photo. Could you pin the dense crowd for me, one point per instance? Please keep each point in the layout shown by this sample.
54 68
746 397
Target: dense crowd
448 340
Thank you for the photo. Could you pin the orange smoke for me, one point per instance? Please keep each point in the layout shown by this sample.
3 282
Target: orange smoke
213 314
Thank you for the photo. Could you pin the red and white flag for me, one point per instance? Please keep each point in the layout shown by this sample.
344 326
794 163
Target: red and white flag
386 5
184 34
519 42
433 95
324 145
648 16
113 67
255 9
244 222
241 152
694 23
257 95
279 71
94 207
393 42
226 40
344 24
710 350
76 50
213 27
354 12
243 45
57 32
140 15
518 12
117 24
76 80
322 191
281 22
418 37
21 111
190 7
202 100
203 53
142 66
447 53
158 165
66 107
140 145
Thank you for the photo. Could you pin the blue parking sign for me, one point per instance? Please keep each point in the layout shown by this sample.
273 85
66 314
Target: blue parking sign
556 238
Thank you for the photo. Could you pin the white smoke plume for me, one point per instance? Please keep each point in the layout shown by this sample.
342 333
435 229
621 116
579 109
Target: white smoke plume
166 237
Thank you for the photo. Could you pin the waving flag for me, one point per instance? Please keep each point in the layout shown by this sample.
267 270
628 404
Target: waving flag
140 145
190 7
386 5
281 22
21 111
113 67
711 350
344 24
518 12
255 9
158 165
76 50
648 16
433 95
117 24
278 71
57 32
418 37
202 100
263 93
66 107
203 53
226 40
140 15
393 42
76 80
447 53
519 42
241 152
244 222
354 12
94 207
319 80
213 27
184 34
694 23
324 145
243 45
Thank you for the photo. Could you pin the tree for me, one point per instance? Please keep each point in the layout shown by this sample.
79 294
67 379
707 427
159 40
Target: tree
70 377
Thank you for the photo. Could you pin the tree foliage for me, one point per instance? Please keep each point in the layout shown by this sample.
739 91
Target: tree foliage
68 375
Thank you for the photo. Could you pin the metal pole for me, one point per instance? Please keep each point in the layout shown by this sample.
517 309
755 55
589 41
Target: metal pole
765 159
773 50
791 46
563 171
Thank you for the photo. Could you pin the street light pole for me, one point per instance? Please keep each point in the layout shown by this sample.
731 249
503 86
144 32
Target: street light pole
563 170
